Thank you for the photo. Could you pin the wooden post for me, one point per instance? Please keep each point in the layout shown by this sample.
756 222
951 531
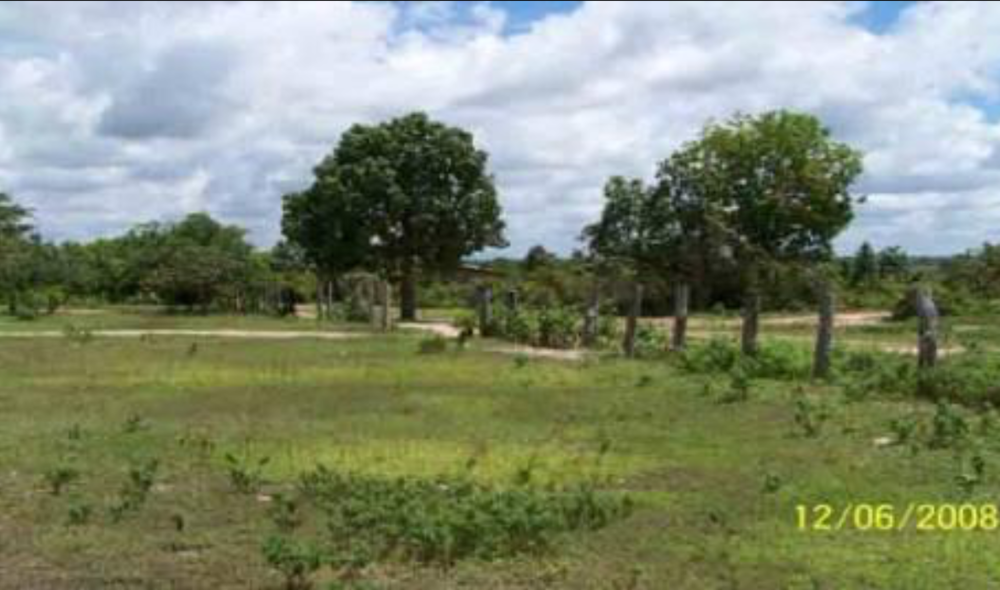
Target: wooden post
513 301
682 294
370 291
751 322
824 332
485 293
592 316
927 328
631 323
320 303
386 312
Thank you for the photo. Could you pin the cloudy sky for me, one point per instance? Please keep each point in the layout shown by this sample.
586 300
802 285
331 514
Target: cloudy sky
115 113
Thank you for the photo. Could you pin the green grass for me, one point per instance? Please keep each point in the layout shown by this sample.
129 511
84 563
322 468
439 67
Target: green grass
154 318
695 468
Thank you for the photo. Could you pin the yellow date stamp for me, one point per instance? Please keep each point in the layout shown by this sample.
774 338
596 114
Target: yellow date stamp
920 517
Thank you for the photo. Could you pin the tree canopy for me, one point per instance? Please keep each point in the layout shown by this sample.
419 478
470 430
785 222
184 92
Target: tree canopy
401 197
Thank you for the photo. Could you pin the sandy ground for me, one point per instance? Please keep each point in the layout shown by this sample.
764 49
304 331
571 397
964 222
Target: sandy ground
698 327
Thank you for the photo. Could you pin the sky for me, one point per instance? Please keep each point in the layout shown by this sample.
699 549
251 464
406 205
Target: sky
117 113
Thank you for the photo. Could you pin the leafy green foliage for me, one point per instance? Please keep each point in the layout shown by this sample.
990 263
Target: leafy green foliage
774 360
296 560
134 492
246 472
949 428
57 478
433 345
810 415
445 520
405 195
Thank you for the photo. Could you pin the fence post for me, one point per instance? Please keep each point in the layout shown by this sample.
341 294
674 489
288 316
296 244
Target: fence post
751 322
631 323
824 331
592 316
485 309
682 295
927 328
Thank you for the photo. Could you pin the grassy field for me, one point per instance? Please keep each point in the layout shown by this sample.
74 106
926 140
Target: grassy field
715 485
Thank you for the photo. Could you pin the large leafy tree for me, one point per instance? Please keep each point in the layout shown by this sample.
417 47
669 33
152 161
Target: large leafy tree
403 197
781 184
621 235
779 188
197 261
15 248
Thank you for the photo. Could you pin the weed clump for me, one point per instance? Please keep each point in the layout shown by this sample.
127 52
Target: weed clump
135 491
442 521
433 345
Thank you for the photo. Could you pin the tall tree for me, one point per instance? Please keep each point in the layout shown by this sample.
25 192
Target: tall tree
893 263
865 267
404 197
15 248
782 189
621 237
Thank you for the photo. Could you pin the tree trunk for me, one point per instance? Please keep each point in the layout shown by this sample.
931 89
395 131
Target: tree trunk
751 322
682 294
927 328
408 294
631 323
824 332
592 317
485 310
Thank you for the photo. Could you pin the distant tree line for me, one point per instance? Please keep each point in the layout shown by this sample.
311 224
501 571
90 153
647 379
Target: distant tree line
743 216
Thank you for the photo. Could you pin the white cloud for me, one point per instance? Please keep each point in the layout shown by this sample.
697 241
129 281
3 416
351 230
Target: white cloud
114 113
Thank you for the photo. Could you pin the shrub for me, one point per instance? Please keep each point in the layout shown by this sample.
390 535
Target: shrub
135 490
79 514
948 428
650 341
466 322
246 473
433 345
715 356
58 478
810 416
296 560
774 360
781 360
444 520
558 327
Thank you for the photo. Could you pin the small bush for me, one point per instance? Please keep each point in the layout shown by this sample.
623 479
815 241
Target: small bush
466 322
810 416
558 327
433 345
948 427
134 492
444 520
296 560
79 514
246 474
715 356
774 360
57 478
650 341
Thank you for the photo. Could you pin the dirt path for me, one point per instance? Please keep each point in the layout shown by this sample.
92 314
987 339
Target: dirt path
245 334
703 329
